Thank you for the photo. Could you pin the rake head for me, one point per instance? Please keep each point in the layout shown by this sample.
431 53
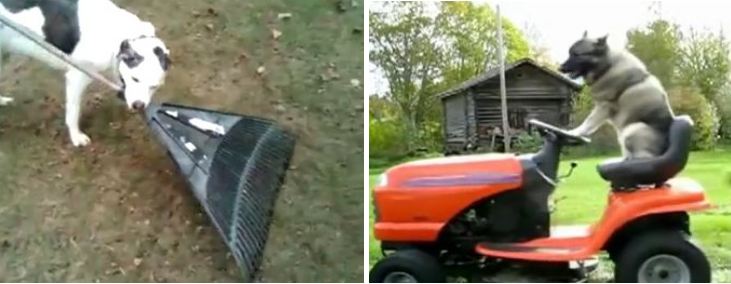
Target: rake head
234 165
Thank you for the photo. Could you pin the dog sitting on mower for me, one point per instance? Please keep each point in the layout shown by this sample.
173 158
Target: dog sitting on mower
625 95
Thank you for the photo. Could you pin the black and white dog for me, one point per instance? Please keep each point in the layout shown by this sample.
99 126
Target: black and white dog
97 34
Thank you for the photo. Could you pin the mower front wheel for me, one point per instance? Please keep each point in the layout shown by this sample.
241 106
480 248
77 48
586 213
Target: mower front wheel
663 256
408 266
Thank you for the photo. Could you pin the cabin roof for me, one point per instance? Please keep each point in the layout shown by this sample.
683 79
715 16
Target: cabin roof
496 72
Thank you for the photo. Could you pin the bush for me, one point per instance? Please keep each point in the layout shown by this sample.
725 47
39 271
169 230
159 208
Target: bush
527 143
430 136
387 139
723 102
604 141
689 101
390 139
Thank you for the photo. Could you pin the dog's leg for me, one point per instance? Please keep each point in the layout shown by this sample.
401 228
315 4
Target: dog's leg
599 114
76 83
639 140
623 147
3 100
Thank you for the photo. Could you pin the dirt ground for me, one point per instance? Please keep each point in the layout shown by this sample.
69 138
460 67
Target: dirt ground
117 210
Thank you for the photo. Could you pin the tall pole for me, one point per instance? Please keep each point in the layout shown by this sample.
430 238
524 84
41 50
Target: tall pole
503 96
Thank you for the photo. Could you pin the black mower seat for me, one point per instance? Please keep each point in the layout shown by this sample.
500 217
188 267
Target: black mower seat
626 174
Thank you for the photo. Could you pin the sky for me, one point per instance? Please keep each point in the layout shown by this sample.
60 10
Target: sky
558 23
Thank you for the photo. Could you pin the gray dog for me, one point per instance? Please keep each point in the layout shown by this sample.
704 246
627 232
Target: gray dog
625 94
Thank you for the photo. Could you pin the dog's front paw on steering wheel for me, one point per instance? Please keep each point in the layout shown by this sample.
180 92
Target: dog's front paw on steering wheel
574 132
80 139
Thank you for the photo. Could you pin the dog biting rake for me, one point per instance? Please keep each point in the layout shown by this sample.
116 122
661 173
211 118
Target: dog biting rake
233 164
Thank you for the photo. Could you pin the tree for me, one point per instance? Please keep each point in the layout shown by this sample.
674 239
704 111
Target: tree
423 48
687 100
471 34
403 46
705 66
723 101
693 62
705 63
658 46
539 49
379 108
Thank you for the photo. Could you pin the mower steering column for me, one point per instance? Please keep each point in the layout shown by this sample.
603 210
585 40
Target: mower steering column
548 157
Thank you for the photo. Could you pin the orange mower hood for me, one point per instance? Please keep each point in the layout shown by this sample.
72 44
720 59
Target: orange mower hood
457 171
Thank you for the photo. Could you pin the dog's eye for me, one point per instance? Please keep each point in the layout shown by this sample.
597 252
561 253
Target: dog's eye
135 79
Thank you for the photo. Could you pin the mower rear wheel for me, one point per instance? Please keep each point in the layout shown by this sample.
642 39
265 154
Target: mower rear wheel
408 266
662 256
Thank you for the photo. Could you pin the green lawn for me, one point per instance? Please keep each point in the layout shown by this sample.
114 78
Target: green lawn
584 201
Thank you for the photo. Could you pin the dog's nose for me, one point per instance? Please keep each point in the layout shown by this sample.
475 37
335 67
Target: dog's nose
138 105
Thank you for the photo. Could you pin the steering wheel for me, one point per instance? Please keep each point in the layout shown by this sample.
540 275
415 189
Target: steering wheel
560 133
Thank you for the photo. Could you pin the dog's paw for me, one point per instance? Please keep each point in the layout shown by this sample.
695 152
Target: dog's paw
80 139
5 100
574 132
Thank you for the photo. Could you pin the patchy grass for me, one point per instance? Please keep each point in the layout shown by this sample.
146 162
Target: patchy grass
118 212
584 194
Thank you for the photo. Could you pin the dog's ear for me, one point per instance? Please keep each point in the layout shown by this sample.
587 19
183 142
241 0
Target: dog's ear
601 46
163 57
147 29
128 55
586 34
602 41
124 47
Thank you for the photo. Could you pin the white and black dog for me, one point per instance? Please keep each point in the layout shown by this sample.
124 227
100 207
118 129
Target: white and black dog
97 34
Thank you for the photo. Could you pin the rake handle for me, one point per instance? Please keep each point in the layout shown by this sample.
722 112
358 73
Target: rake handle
57 53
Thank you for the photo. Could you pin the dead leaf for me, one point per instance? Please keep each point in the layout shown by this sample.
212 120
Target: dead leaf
284 16
276 34
261 70
355 82
137 261
330 73
243 55
342 6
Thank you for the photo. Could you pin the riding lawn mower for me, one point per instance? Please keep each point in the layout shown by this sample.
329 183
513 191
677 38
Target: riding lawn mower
475 216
